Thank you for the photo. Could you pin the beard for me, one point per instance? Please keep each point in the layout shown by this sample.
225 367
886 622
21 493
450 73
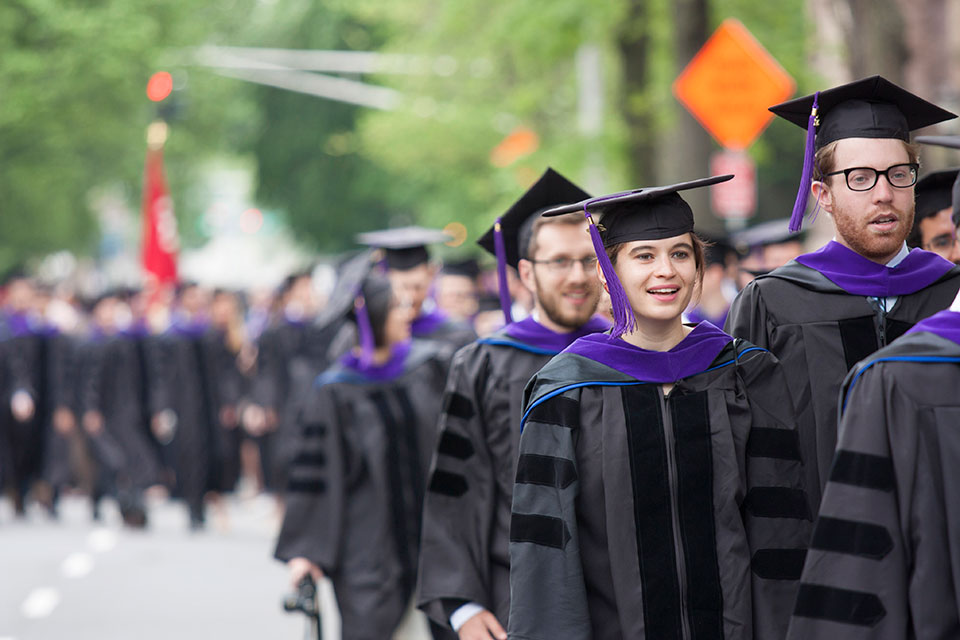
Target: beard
564 314
869 244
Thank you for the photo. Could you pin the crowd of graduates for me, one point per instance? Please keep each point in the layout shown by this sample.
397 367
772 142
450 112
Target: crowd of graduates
624 430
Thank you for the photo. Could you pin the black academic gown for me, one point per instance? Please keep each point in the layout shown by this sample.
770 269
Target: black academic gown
884 562
818 331
290 356
182 382
465 553
228 387
355 491
642 516
113 384
63 354
23 360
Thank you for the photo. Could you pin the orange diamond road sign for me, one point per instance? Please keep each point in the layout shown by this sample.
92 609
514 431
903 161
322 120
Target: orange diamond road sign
730 83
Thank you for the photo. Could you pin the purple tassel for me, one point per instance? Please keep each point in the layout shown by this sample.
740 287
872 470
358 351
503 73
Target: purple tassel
623 318
364 332
806 178
502 283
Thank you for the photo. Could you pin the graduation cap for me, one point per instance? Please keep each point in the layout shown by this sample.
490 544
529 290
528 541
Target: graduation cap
651 213
468 268
359 292
872 107
934 193
765 234
718 248
405 247
951 142
509 237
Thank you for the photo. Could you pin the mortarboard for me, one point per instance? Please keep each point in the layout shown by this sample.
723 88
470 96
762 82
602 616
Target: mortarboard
872 107
468 268
765 234
934 192
951 142
652 213
509 237
405 247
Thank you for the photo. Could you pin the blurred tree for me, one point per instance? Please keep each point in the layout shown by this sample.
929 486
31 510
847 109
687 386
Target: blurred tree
73 111
307 148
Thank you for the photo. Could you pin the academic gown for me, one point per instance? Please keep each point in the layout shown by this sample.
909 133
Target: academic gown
63 354
642 516
466 519
112 384
355 491
819 330
183 383
884 561
436 325
291 355
24 363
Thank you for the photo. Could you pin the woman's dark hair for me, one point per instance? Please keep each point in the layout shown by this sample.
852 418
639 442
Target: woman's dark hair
379 300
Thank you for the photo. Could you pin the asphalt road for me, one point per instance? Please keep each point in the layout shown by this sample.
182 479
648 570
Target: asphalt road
76 579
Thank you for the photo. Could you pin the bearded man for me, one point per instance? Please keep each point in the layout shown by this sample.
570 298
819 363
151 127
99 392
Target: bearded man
823 312
465 557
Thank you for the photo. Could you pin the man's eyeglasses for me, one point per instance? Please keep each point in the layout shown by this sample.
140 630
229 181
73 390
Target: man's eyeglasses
563 265
943 242
900 176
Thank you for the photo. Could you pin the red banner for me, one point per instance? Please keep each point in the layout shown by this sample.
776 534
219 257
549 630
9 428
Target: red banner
160 239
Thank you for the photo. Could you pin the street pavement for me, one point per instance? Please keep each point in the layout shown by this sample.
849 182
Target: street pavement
77 579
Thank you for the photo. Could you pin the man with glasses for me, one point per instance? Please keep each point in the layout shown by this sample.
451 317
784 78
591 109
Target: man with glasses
825 311
934 228
465 558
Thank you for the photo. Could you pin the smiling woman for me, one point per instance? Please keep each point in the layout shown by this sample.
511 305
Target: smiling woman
693 429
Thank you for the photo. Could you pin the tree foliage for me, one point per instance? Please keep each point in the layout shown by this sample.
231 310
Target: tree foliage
73 111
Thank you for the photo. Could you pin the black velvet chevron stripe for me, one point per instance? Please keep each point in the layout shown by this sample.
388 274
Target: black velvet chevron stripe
448 484
559 410
454 445
896 328
647 448
317 430
777 502
310 459
778 564
839 605
458 405
546 531
306 486
546 470
863 470
782 444
862 539
859 338
694 455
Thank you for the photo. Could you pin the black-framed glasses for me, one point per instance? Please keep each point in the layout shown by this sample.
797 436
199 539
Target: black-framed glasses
900 176
563 265
943 242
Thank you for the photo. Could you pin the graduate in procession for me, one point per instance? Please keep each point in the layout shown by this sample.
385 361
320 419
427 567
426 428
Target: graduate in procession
113 417
659 488
185 403
825 311
933 227
883 561
292 352
412 275
464 563
368 427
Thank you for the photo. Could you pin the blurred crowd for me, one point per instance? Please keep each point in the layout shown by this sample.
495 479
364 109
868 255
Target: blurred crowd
190 392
